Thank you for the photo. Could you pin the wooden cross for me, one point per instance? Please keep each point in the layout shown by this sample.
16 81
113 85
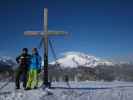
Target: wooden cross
45 35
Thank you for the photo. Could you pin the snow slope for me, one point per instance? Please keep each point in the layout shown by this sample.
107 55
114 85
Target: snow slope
75 59
114 91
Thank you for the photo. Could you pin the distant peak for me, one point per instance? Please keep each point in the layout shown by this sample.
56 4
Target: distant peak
75 59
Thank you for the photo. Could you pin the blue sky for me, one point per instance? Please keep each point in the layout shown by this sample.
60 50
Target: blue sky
103 28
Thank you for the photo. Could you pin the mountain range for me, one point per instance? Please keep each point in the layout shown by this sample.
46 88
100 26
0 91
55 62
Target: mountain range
68 60
75 59
80 65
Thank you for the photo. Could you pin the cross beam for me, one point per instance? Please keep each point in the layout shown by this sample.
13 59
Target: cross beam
45 34
49 33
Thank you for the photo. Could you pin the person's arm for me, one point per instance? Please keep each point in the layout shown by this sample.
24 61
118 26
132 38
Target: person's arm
40 62
18 58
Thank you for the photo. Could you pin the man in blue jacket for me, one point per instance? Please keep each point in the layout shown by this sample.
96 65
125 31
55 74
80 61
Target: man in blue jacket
34 70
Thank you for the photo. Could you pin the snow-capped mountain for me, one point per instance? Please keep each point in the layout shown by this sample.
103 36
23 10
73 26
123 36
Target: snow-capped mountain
75 59
6 61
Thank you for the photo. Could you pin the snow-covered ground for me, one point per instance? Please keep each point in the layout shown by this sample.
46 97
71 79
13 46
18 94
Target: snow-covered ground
89 90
